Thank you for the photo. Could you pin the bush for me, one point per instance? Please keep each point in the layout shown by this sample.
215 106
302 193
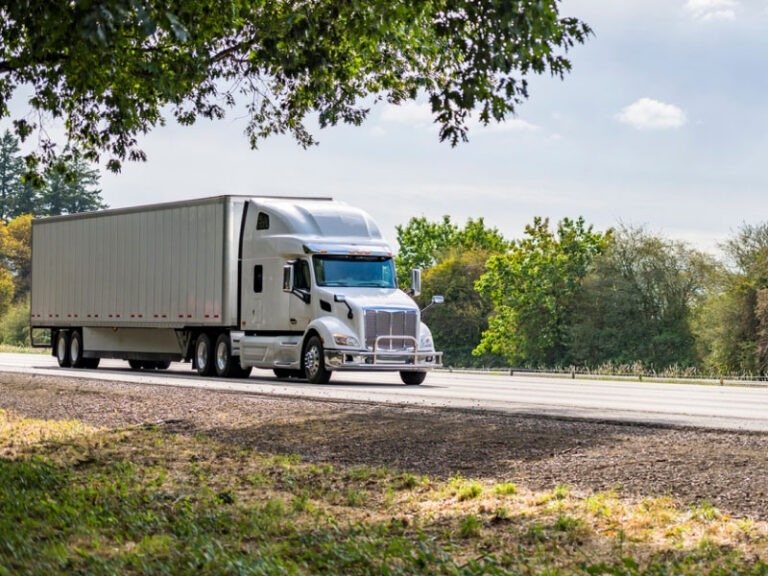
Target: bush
14 325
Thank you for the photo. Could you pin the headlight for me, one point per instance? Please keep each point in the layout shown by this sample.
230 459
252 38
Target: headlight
426 343
346 340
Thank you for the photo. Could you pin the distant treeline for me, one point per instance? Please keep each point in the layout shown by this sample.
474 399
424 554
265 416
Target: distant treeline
568 296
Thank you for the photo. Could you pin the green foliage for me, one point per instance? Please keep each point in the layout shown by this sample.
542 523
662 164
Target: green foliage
142 500
505 489
533 288
67 186
14 324
109 68
423 244
453 259
12 189
731 325
16 251
6 291
458 324
637 302
70 187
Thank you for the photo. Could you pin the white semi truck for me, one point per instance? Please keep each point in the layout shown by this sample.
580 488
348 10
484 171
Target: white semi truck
301 286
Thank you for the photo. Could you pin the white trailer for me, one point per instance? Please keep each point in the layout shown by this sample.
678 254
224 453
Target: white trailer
302 286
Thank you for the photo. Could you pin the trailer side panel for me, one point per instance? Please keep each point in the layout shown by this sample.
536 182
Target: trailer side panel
171 266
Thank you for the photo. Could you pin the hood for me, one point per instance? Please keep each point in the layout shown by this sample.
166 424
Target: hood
359 298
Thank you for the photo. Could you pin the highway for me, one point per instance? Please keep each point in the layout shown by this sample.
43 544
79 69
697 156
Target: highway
705 406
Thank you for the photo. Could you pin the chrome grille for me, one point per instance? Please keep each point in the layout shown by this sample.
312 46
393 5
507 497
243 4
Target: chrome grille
390 323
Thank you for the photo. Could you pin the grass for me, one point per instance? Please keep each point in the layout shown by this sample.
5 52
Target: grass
80 500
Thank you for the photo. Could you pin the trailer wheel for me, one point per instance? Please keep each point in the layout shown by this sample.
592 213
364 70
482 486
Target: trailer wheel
314 362
204 357
227 366
412 378
62 349
136 364
76 350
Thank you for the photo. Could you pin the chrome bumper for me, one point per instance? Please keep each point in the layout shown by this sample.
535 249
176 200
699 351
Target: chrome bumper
384 359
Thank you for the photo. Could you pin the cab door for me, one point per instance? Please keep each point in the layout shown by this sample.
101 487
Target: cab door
300 303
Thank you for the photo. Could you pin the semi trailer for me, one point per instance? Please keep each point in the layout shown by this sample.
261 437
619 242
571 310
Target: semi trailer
301 286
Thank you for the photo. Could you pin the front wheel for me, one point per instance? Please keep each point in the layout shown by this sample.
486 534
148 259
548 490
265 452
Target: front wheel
314 362
412 378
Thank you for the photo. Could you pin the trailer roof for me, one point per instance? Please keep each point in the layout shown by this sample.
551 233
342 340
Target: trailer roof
175 204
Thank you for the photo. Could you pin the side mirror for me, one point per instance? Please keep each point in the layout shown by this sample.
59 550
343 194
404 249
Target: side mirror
436 299
343 299
415 282
288 278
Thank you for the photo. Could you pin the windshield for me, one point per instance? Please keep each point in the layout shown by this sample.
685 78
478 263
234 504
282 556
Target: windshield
355 271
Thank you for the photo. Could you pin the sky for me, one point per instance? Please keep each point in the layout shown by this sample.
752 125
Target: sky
662 123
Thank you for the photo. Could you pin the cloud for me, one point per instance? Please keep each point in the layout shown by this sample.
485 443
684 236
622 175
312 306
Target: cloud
711 10
420 115
410 113
648 114
508 125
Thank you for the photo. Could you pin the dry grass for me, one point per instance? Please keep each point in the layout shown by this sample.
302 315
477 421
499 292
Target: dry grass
142 499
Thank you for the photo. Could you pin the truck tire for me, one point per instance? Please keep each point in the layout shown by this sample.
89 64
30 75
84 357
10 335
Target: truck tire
91 363
136 364
228 366
76 350
412 378
314 362
204 356
62 349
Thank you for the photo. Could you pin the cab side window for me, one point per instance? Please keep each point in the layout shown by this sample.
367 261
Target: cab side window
262 221
301 275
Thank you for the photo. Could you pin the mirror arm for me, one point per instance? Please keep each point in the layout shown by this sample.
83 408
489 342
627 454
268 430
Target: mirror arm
341 298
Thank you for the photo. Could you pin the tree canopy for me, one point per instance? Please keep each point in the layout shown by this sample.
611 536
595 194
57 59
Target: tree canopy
67 186
108 69
423 243
637 302
533 288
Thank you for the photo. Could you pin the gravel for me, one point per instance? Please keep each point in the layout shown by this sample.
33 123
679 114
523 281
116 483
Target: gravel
725 469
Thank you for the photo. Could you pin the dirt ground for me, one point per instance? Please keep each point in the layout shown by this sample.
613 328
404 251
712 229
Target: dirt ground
725 469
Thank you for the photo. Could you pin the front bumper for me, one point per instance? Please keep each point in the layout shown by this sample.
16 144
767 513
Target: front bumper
381 358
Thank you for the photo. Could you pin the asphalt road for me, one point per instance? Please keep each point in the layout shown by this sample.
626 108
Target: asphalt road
706 406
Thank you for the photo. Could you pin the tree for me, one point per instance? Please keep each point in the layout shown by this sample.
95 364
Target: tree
452 258
70 187
17 252
731 326
458 324
533 288
7 290
109 68
423 243
638 301
11 171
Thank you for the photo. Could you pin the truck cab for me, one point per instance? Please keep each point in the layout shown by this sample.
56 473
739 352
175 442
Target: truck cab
319 293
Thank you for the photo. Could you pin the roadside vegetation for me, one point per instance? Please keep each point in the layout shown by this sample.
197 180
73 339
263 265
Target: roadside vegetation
140 500
566 296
